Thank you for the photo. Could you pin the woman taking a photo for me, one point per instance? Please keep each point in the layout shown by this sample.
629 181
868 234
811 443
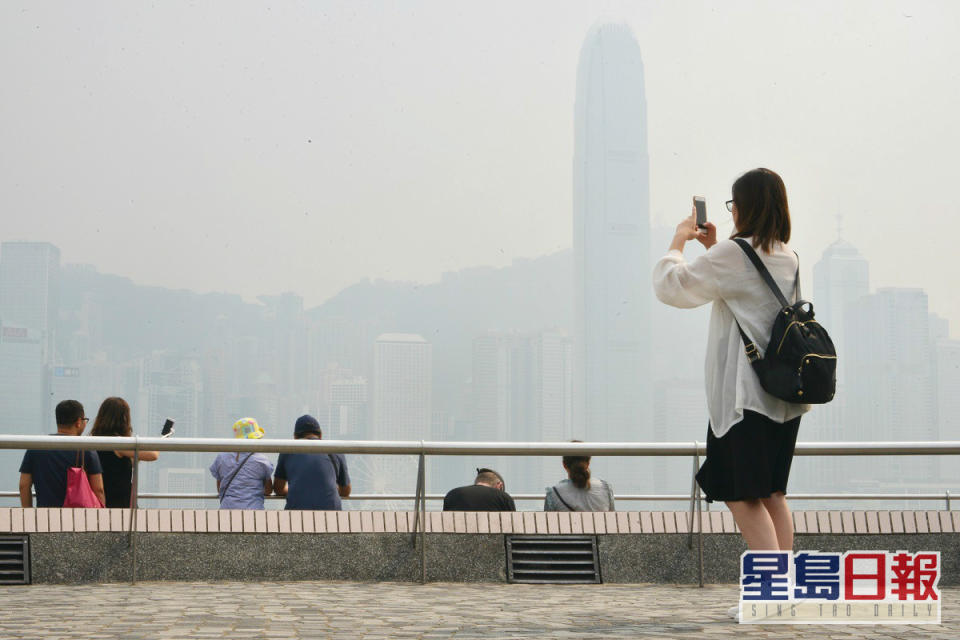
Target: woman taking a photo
751 434
113 419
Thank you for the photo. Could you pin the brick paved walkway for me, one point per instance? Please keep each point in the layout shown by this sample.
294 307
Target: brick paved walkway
390 610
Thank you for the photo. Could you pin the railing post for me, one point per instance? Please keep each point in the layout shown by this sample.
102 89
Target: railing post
134 504
948 499
423 518
418 497
696 464
693 499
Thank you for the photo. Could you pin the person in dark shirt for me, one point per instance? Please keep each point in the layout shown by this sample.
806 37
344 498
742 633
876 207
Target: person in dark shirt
487 493
46 470
317 480
113 419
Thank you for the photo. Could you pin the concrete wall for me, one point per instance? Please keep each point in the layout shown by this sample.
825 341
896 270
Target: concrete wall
81 557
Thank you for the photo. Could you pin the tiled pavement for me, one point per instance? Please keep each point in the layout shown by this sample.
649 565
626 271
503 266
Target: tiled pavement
392 610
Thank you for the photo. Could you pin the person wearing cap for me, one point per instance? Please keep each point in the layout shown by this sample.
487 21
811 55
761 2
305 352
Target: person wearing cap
243 479
317 481
487 493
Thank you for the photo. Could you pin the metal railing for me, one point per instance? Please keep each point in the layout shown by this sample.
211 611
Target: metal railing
422 448
946 497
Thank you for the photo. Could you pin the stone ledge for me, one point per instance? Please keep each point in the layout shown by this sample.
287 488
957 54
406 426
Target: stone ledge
97 557
17 520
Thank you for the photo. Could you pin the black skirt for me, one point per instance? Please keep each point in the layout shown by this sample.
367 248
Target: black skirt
751 460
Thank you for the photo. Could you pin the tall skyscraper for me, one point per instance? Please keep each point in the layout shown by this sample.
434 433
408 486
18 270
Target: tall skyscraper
890 382
402 408
30 288
613 294
23 382
521 393
840 278
29 292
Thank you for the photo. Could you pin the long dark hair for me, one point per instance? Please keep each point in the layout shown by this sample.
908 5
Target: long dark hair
762 210
578 468
113 419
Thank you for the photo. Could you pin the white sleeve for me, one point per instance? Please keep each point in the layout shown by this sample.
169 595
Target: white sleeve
683 284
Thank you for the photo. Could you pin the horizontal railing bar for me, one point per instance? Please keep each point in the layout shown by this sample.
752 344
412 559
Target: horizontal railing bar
369 447
540 496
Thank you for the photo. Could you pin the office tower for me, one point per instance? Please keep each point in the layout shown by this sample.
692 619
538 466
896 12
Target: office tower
403 379
613 294
23 382
30 288
171 387
402 407
342 405
287 365
889 382
840 278
522 393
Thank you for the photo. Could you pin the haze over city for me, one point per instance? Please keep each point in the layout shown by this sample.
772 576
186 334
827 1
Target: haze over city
350 171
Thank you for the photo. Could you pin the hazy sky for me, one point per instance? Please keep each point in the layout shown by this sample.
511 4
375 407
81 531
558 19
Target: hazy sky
259 148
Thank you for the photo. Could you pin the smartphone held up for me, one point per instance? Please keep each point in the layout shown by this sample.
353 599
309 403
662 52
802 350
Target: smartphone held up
167 430
700 205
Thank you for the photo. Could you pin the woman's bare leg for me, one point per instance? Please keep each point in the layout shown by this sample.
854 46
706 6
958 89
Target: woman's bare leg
776 506
755 524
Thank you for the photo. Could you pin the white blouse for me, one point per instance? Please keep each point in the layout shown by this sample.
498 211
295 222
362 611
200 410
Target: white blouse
725 276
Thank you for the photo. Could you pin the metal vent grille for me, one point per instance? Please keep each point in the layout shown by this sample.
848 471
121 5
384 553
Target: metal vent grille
14 560
553 559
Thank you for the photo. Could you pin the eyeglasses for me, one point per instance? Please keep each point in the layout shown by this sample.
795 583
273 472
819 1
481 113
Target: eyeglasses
85 420
729 204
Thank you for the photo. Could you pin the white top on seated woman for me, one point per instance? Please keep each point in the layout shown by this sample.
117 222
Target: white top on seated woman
579 492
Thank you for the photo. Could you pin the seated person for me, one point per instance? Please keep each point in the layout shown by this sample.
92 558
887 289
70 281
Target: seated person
243 479
317 480
578 492
487 493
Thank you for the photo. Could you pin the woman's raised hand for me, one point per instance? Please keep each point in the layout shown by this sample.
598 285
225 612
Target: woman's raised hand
708 235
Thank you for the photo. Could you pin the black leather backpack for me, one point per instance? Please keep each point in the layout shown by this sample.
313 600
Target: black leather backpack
800 364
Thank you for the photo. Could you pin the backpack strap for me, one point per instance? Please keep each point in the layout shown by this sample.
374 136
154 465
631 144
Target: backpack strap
764 273
751 349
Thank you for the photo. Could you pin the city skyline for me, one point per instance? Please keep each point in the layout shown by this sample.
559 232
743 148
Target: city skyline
206 389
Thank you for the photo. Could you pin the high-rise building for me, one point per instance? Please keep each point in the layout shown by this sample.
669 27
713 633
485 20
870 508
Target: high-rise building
344 399
402 384
889 382
24 382
30 288
840 279
522 392
402 406
613 294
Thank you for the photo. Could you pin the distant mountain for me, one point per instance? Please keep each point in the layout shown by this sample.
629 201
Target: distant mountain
133 319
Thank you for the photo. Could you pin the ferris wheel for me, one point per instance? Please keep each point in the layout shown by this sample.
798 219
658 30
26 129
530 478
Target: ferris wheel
373 474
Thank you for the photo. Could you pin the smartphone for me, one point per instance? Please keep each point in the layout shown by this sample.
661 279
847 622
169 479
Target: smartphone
700 204
167 428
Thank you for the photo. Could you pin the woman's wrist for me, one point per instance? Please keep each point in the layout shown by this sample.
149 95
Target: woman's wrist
679 241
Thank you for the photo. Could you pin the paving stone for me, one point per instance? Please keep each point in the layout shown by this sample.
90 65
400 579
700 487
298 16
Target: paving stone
401 610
